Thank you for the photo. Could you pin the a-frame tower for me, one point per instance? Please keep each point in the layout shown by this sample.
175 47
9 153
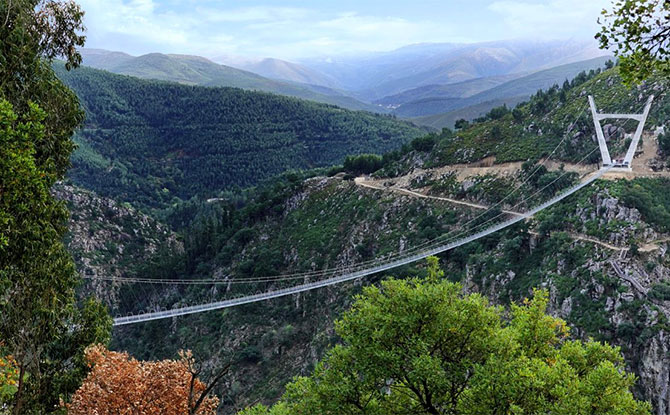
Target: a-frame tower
625 163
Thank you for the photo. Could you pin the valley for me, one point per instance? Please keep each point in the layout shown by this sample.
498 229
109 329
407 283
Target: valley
296 224
334 208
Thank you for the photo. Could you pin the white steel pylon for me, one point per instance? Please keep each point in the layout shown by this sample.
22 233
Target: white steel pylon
624 164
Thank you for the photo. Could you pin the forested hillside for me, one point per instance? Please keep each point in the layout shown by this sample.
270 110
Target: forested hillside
292 225
151 142
196 70
534 128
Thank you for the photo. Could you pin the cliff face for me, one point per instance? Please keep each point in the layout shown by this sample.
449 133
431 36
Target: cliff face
614 295
110 239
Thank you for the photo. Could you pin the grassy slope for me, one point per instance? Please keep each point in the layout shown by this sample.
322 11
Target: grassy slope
541 123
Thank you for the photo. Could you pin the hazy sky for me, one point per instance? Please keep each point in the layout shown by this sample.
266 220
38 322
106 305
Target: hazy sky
292 29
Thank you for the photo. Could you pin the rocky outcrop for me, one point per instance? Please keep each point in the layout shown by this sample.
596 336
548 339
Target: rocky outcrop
109 239
618 296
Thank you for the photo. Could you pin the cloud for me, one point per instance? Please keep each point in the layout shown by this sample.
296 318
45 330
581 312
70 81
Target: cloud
213 28
551 18
135 19
253 14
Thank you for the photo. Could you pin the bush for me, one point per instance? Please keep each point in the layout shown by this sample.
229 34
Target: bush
251 354
461 124
659 292
498 112
363 164
425 143
409 342
664 143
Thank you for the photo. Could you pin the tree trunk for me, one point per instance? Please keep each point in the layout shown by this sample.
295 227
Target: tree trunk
18 398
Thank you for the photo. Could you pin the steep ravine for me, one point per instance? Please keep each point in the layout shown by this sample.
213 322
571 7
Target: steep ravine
275 340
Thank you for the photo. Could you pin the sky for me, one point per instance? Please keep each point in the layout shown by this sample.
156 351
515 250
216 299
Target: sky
299 29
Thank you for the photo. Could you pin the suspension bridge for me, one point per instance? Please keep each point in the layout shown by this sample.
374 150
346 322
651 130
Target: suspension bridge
501 219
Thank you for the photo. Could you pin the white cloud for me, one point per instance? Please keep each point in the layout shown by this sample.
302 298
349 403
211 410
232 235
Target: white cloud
551 18
215 28
136 18
252 14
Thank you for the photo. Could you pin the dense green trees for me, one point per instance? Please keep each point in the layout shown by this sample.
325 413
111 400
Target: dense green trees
363 164
422 347
40 324
664 143
639 32
155 142
652 199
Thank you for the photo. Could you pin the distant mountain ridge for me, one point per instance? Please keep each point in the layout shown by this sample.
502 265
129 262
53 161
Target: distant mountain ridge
196 70
456 90
283 70
415 81
378 75
428 101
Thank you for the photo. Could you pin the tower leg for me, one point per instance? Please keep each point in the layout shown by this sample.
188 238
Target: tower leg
604 151
628 160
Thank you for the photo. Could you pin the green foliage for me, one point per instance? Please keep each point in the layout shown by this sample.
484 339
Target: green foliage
422 347
498 112
461 123
425 143
154 143
362 164
660 291
37 276
664 143
652 199
639 33
434 272
40 323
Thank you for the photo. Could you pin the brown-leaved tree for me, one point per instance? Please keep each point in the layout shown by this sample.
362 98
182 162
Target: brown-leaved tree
120 384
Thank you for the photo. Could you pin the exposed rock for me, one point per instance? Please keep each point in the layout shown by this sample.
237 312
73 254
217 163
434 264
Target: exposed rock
108 239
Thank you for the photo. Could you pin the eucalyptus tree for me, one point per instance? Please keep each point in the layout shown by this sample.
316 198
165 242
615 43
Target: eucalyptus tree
41 324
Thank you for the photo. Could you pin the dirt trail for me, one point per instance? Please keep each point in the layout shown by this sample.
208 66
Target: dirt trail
653 245
649 150
361 181
647 153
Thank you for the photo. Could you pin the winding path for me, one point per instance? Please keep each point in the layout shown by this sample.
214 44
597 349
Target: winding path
361 181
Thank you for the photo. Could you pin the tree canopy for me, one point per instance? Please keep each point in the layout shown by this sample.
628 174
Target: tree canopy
423 347
639 33
40 323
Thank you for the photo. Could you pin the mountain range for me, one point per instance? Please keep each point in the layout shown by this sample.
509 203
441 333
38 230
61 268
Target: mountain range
440 106
196 70
375 76
154 142
431 83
